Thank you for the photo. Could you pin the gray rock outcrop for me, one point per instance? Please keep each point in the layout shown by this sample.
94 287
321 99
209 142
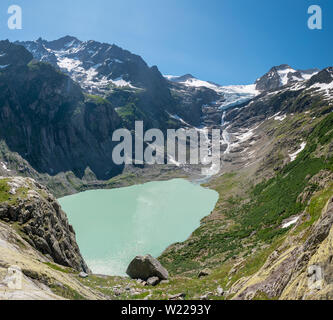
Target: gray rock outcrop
145 267
153 281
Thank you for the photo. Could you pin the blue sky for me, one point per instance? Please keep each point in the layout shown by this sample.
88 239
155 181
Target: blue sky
226 41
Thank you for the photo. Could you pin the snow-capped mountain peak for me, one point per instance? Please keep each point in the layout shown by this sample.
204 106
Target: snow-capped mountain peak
322 83
95 66
62 43
282 75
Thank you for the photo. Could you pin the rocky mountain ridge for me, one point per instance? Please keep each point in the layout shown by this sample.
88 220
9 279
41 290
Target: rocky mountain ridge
95 66
283 75
137 91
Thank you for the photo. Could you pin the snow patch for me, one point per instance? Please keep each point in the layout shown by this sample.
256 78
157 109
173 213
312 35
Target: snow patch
293 156
324 88
283 74
307 76
297 86
120 82
178 118
289 223
89 78
280 118
68 64
4 166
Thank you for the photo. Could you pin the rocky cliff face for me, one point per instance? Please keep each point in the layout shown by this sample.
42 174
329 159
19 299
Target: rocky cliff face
37 216
194 103
46 118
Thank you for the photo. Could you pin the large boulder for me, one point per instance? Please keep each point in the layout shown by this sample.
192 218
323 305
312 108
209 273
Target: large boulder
145 267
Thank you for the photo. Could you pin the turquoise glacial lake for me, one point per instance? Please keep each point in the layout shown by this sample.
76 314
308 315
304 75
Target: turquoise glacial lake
113 226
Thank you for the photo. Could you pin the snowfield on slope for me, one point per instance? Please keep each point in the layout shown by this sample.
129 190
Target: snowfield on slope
294 155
